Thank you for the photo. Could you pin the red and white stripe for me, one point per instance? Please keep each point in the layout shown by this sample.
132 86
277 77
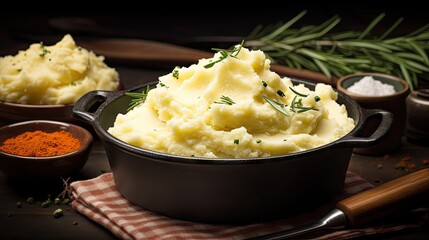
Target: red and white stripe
99 200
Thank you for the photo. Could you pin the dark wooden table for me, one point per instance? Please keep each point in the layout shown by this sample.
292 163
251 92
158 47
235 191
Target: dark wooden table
35 222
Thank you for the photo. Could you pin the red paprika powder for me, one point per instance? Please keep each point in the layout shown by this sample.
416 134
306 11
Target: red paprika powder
41 144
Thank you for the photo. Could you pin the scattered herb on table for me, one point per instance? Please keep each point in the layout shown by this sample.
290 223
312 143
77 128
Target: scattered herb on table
46 203
30 200
335 54
58 213
57 201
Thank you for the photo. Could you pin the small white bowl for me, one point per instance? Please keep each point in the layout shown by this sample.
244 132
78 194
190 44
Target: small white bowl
394 103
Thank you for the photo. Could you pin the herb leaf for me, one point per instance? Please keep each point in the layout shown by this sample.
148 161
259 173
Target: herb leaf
44 50
137 98
176 74
298 93
225 100
297 106
335 54
276 105
225 53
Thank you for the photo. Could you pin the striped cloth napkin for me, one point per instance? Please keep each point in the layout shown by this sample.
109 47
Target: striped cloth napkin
99 200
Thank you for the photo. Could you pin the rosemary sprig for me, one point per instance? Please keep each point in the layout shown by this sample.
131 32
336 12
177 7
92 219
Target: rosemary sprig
280 107
43 50
225 53
137 98
295 106
298 93
315 48
225 100
175 73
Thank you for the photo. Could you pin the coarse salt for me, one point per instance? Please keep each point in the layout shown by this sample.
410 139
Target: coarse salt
371 87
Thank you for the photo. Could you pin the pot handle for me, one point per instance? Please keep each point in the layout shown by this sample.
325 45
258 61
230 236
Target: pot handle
87 105
377 136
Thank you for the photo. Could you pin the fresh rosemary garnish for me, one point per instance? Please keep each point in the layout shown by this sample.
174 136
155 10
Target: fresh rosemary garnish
225 53
137 98
58 213
281 93
297 106
315 48
316 98
161 84
225 100
175 73
298 93
280 107
44 50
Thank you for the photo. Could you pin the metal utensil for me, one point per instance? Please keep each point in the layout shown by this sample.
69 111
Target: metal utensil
393 196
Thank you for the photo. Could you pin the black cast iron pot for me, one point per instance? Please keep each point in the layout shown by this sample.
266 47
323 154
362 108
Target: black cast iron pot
226 190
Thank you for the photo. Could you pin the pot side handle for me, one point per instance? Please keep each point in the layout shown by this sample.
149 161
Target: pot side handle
377 136
87 105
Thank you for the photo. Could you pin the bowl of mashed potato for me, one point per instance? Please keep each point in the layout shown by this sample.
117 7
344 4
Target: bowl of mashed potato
44 82
227 140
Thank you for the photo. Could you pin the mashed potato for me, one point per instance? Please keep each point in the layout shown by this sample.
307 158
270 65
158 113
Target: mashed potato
58 74
236 108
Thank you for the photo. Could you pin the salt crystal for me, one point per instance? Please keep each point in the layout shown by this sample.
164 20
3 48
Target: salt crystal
371 87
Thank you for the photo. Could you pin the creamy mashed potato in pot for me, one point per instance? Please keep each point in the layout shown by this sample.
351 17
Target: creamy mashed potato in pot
233 107
58 74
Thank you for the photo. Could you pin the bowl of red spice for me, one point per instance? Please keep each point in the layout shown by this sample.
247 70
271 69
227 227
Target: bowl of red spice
43 148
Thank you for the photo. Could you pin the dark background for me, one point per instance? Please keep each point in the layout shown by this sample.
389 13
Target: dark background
181 24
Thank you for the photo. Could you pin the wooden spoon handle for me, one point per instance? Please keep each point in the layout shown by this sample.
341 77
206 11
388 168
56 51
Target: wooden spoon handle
151 53
387 198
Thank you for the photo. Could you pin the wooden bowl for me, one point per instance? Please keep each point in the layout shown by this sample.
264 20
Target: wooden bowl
16 112
53 166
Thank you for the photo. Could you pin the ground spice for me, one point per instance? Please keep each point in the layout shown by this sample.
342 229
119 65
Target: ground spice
41 144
